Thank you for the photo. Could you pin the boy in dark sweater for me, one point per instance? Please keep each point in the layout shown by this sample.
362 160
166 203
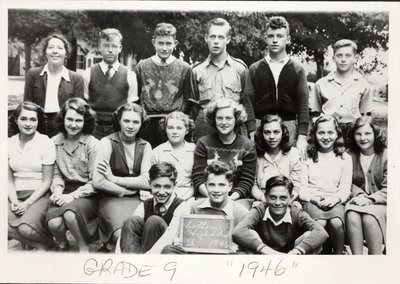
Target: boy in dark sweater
164 83
276 227
280 84
152 217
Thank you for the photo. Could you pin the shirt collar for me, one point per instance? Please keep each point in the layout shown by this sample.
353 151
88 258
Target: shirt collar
283 61
64 72
60 139
104 66
15 140
156 59
228 60
356 76
269 159
286 219
168 203
228 208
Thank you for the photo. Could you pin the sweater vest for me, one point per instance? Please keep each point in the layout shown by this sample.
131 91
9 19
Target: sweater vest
149 209
105 94
118 163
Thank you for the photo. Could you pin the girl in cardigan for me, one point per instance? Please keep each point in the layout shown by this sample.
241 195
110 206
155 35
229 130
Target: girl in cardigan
329 180
366 210
74 207
227 146
121 171
178 151
31 157
275 156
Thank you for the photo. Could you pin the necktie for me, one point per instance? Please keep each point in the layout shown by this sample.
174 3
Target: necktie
159 209
108 73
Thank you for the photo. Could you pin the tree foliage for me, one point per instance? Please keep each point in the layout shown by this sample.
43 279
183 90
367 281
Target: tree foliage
311 32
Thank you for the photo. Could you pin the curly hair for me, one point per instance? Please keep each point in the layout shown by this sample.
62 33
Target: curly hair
261 145
219 168
238 111
278 22
42 119
189 124
45 42
313 146
163 169
129 107
279 180
81 107
164 29
379 136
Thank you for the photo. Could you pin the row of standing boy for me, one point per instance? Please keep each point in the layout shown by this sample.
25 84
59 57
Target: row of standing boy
276 82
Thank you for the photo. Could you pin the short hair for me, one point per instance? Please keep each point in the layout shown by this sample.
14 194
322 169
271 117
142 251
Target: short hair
163 169
238 111
279 180
343 43
379 137
42 119
164 29
109 33
278 22
219 22
261 145
80 106
188 122
218 168
129 107
45 43
313 146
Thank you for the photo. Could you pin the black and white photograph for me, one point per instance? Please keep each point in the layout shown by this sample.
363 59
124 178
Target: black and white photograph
200 142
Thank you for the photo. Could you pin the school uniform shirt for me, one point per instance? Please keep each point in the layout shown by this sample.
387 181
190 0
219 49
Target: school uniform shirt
74 165
279 235
330 176
208 82
345 103
26 164
182 160
164 86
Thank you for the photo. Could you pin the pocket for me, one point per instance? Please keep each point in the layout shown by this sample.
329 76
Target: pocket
233 91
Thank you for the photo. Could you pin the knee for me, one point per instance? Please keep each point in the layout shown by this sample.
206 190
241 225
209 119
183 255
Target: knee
336 224
322 223
369 221
131 222
353 218
69 216
27 232
154 220
55 223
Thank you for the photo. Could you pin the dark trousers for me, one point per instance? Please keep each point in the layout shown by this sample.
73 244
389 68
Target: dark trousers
138 236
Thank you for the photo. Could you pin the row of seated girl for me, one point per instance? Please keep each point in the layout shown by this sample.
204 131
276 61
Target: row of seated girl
89 187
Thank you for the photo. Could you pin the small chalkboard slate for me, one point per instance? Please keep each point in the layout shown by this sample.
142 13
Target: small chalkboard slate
206 233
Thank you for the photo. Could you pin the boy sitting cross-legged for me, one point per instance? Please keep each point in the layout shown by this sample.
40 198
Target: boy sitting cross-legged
276 227
152 217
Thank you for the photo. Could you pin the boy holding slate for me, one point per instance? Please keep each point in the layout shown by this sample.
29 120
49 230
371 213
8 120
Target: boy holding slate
276 227
153 216
218 183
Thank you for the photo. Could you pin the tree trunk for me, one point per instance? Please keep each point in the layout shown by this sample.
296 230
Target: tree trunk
319 60
28 50
71 63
